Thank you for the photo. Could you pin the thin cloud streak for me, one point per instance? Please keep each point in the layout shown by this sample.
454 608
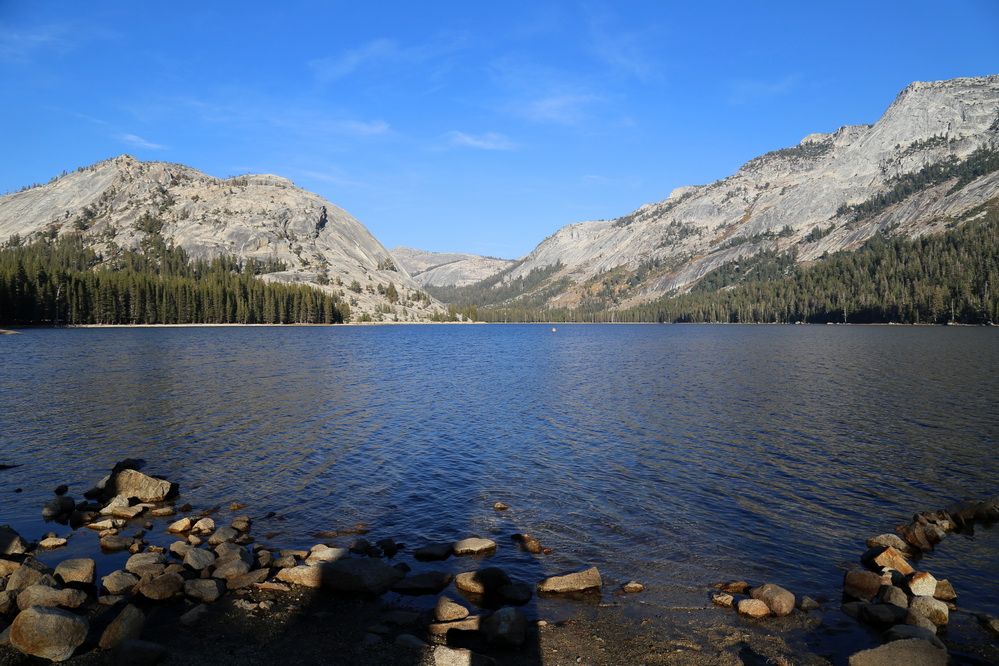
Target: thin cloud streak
138 142
486 141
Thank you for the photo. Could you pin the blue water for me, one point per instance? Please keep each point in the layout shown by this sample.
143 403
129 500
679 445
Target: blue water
674 455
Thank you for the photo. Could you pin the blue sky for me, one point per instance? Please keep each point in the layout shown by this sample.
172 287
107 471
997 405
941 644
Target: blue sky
479 127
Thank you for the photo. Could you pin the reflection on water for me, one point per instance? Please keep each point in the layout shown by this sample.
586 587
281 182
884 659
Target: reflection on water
676 455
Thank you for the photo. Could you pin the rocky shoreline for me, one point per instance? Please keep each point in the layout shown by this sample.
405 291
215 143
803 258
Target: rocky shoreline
216 593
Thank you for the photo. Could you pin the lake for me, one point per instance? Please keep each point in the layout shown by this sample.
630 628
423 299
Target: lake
674 455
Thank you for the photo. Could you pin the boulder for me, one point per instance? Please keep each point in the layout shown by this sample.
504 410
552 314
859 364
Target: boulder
901 632
945 591
51 543
323 553
863 585
222 535
578 581
889 541
204 526
48 633
241 523
473 546
7 567
505 627
58 506
486 581
883 615
143 563
132 483
205 590
232 569
119 582
8 601
198 559
48 597
28 575
911 652
11 542
895 596
127 625
78 570
753 608
917 620
470 623
434 551
360 576
449 656
429 582
180 526
923 583
113 543
734 587
447 610
890 558
778 600
162 587
305 575
181 549
932 609
246 580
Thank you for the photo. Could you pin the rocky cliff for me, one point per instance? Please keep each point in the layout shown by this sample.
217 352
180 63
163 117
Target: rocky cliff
928 162
116 203
440 269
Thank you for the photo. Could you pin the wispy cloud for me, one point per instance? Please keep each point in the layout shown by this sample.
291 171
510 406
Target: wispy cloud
486 141
21 45
562 109
385 52
137 141
624 51
751 91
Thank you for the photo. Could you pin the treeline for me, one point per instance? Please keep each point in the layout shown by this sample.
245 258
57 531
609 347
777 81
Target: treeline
494 289
982 161
938 279
57 281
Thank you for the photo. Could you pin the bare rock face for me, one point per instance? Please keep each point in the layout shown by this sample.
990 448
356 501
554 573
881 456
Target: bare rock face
260 217
48 633
579 581
442 269
132 483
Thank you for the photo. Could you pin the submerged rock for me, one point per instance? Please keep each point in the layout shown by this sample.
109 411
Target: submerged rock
434 551
578 581
485 582
633 587
429 582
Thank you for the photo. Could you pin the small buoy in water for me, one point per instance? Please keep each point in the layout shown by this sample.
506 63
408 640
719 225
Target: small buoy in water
554 329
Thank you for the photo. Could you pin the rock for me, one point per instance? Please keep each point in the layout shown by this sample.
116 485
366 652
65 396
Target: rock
140 653
79 570
162 512
50 543
989 622
49 633
8 602
323 553
162 587
633 587
127 512
119 582
892 559
779 600
515 593
232 569
305 575
486 581
246 580
500 506
241 523
889 541
273 587
110 599
389 546
528 543
182 525
895 596
142 562
808 604
114 543
932 609
205 590
58 506
447 610
945 591
901 632
753 608
911 652
61 489
883 615
126 626
26 576
132 483
854 608
505 627
181 549
922 583
204 526
914 535
7 567
360 576
722 599
434 551
286 562
198 559
410 641
470 623
43 595
862 585
449 656
194 615
734 587
473 546
988 510
222 535
579 581
11 542
430 582
227 552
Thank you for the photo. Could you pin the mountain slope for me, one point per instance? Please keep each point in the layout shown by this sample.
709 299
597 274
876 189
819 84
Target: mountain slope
930 159
119 202
442 269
